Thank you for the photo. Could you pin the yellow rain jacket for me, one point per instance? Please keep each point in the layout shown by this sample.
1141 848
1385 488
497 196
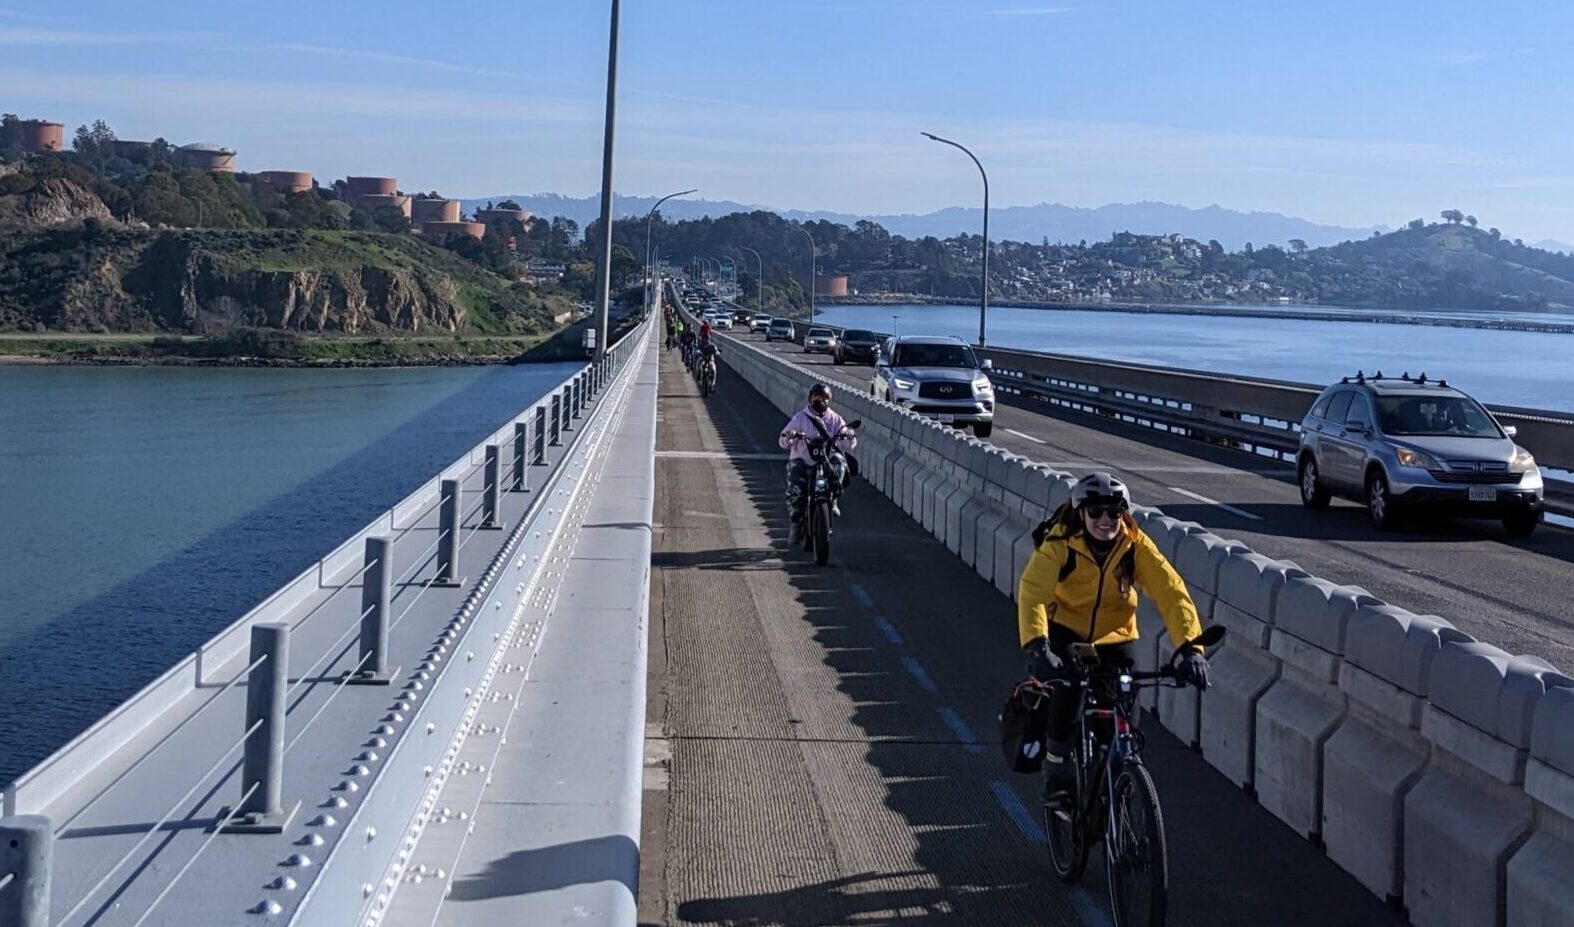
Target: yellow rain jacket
1064 583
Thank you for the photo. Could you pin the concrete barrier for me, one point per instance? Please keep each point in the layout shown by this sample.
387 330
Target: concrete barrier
1468 815
1242 668
1304 705
1541 875
1376 756
1198 558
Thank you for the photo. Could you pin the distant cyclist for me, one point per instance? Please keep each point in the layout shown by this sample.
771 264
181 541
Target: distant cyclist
1080 585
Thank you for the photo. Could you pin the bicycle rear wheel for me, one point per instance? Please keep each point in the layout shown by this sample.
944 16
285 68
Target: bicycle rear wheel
1136 853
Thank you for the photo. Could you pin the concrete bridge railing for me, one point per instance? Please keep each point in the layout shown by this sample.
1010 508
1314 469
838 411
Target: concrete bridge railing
1436 769
64 857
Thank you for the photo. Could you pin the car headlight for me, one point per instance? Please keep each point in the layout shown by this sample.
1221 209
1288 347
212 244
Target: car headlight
1409 458
982 385
1523 462
900 383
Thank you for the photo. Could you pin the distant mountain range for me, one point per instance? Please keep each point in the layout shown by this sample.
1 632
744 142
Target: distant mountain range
1229 227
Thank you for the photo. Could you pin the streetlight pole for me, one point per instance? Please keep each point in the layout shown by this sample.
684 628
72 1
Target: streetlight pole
811 271
983 302
604 273
648 219
759 283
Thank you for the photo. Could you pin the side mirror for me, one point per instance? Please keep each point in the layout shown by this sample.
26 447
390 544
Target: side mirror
1511 430
987 364
855 424
1210 636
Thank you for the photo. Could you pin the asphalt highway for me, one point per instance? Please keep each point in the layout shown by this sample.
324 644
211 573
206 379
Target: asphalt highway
1512 593
821 740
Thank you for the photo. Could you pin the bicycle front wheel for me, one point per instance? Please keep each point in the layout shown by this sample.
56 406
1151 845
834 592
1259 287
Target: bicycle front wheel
1135 853
1068 847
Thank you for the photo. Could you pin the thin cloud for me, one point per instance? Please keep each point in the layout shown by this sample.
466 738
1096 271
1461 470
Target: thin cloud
1476 57
25 35
356 54
1028 11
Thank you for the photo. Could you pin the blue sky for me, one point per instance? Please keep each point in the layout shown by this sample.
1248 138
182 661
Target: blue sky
1342 112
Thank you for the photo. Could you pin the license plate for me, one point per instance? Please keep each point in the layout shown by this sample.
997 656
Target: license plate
1483 494
945 418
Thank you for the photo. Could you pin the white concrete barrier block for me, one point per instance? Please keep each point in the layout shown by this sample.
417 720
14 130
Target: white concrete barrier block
1295 718
1239 675
1459 831
989 522
1199 557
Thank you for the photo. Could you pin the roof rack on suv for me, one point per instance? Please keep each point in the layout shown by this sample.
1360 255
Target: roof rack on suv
1361 377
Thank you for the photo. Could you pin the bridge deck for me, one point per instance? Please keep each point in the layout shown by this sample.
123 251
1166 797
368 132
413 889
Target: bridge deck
1505 591
823 737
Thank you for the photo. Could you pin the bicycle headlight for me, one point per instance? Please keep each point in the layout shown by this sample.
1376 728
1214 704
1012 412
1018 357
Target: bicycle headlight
1410 458
1523 462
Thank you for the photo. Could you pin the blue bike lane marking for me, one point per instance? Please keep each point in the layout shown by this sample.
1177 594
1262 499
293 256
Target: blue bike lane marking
889 630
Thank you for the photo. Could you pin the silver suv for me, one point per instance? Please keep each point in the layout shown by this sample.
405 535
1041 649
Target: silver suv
937 376
1400 444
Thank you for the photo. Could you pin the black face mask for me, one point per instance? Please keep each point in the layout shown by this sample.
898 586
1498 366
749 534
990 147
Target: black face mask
819 406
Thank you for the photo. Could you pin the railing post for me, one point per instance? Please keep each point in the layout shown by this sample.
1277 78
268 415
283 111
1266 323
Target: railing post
539 454
376 594
448 519
493 489
579 394
568 406
27 846
521 471
557 419
262 769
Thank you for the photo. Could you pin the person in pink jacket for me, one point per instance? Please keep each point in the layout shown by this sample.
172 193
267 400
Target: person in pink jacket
794 440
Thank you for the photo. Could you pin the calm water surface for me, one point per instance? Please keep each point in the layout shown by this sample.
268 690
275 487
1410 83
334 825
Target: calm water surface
1533 369
142 509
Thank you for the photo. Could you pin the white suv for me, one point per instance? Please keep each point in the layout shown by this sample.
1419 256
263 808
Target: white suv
937 376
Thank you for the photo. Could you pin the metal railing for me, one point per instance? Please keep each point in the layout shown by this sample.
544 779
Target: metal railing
1253 413
29 837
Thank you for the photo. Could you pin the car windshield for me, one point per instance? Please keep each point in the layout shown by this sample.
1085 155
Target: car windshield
819 333
857 334
1418 416
934 355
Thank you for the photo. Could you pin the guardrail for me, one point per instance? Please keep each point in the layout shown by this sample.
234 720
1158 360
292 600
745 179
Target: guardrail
1436 769
44 803
1251 413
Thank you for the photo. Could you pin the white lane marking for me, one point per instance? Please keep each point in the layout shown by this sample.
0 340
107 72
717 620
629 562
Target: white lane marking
1023 434
1138 469
720 455
1204 499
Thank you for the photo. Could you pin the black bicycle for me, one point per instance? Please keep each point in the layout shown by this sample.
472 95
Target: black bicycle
1114 799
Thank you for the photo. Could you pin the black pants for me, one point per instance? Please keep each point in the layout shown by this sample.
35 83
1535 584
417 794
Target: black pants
798 482
1063 704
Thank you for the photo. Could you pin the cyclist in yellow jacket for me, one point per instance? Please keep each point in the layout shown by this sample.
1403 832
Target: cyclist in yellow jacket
1080 585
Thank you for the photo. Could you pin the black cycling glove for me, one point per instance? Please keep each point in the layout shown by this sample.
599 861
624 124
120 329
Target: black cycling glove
1045 665
1193 668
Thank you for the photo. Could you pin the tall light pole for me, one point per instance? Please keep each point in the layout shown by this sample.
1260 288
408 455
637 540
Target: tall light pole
604 272
759 283
983 302
649 274
811 270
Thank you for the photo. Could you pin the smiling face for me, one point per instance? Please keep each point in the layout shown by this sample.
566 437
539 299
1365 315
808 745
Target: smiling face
1102 522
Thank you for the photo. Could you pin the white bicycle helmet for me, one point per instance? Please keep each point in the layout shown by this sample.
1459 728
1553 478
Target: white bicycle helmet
1100 489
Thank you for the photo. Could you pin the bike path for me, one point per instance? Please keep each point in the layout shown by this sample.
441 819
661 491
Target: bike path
1509 592
820 740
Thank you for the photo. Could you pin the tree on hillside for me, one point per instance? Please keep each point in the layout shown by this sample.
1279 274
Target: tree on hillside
1471 220
1416 225
390 219
1452 216
1298 246
1494 234
95 146
10 138
509 204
